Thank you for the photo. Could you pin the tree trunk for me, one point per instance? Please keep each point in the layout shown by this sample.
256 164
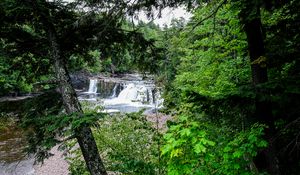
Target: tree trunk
256 51
250 17
84 134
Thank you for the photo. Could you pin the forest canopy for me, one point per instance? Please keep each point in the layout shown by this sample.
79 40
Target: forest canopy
230 78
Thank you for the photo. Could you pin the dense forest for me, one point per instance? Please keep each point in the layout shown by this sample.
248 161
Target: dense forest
229 77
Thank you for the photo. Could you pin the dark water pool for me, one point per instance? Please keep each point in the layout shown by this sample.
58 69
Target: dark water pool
13 161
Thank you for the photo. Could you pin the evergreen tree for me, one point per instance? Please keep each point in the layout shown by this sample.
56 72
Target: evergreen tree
55 30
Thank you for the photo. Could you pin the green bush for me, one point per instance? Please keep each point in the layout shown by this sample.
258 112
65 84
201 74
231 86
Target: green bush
199 148
127 143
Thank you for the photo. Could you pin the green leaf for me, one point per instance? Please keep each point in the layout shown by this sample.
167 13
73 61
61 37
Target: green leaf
176 153
185 132
237 154
199 148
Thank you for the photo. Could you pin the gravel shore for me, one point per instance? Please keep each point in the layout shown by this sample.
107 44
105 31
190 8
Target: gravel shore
55 165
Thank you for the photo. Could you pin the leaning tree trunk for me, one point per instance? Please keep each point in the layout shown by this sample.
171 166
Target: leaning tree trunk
250 17
84 134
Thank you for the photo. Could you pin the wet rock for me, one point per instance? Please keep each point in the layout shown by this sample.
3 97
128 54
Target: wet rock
80 79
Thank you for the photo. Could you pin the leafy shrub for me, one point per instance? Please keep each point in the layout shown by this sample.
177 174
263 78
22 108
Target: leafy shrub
200 148
127 143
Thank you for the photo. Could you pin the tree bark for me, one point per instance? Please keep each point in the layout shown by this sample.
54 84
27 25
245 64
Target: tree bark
84 134
256 51
250 17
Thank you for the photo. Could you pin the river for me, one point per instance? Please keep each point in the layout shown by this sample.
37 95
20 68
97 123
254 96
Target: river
129 93
13 161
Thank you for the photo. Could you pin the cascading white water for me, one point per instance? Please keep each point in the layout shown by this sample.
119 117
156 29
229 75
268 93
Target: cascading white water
136 95
114 93
158 102
143 95
93 86
129 93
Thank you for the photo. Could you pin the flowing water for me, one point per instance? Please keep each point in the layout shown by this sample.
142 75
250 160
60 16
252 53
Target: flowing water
92 87
127 94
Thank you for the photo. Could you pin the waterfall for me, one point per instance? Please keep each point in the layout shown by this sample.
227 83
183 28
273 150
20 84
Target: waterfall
137 93
123 96
116 90
129 93
143 95
114 93
93 86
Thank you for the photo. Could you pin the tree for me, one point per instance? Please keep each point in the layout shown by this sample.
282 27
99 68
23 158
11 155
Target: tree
250 18
44 18
62 29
